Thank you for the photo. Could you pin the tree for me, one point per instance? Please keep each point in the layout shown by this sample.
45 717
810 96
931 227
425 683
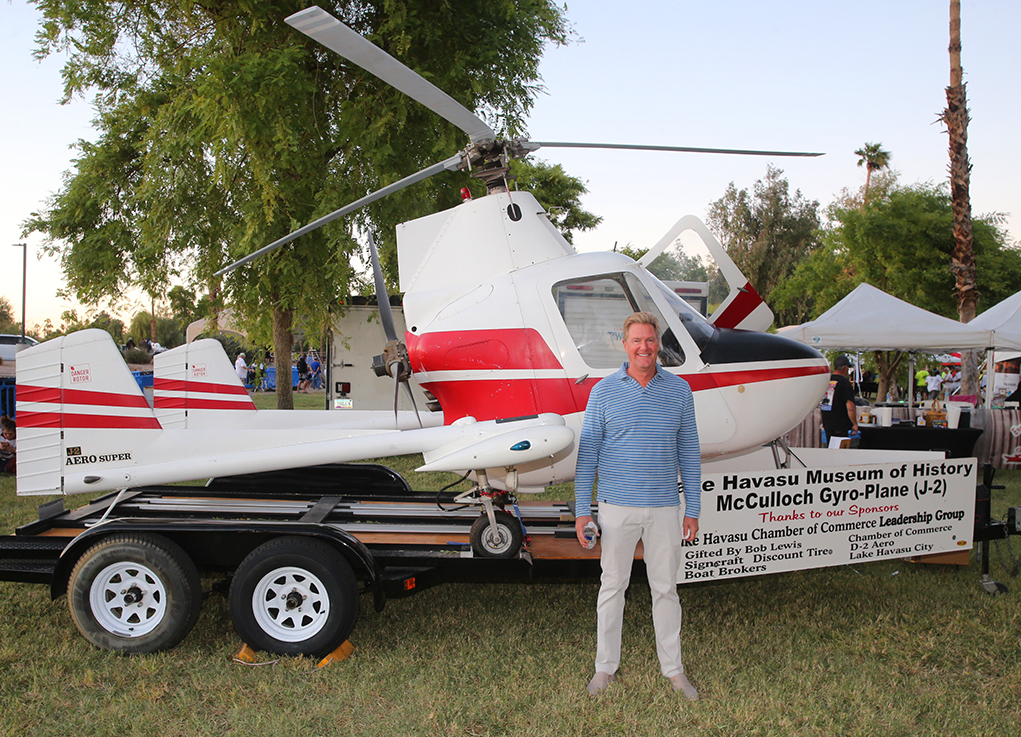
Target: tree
558 192
7 320
767 233
873 158
902 243
223 129
962 263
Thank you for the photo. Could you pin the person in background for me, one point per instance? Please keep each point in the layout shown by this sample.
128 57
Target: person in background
315 371
8 445
921 386
639 434
302 374
839 414
241 368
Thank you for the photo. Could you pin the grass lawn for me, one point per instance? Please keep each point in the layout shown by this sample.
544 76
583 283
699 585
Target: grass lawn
888 648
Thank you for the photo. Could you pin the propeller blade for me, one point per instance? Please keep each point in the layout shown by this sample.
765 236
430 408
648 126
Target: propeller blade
681 149
320 26
411 396
382 298
397 393
451 164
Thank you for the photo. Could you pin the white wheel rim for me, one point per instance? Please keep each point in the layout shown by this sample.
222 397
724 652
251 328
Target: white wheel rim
128 599
496 539
290 604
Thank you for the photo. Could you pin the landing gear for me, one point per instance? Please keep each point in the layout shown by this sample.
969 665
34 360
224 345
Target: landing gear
500 540
134 594
496 533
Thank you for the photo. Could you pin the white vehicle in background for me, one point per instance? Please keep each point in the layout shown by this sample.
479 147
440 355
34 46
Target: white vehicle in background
11 345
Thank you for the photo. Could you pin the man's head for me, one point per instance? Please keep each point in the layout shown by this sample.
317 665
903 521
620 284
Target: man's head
841 364
641 340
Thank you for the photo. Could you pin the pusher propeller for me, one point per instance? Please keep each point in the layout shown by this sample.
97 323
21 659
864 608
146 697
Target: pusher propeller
393 361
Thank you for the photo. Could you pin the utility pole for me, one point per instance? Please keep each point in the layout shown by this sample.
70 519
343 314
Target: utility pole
24 283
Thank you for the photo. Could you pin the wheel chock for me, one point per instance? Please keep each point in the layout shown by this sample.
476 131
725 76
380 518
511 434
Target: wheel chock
246 654
341 653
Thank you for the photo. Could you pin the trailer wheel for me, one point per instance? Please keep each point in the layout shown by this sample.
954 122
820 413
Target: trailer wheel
134 594
502 541
294 596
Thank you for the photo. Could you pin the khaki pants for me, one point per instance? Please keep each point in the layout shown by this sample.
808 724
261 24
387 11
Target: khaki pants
659 529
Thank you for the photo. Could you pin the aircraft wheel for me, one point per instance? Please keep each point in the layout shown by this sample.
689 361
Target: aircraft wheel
134 594
502 541
294 596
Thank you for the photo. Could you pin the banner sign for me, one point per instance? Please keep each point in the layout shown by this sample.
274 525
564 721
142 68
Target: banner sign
790 519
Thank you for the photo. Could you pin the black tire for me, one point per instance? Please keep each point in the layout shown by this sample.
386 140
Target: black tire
503 541
294 596
134 594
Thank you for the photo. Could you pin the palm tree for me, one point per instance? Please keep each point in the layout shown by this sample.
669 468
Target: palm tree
962 262
874 158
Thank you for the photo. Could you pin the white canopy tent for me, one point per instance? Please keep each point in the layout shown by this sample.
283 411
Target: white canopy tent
870 319
1004 322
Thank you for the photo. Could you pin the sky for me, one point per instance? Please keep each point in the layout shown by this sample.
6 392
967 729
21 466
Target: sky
785 75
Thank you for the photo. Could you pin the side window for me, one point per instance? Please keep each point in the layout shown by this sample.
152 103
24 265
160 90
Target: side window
594 310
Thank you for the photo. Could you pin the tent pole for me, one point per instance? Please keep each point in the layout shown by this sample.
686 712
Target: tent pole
911 385
990 378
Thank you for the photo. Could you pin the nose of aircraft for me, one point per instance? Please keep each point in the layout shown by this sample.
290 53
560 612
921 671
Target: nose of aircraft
743 346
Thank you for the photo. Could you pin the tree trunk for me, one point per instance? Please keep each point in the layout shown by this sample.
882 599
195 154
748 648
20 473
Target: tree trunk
283 343
962 262
887 363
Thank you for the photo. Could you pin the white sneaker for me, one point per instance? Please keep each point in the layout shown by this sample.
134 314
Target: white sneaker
599 683
680 682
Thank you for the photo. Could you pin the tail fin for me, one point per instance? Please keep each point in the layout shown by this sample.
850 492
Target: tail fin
195 376
743 308
78 405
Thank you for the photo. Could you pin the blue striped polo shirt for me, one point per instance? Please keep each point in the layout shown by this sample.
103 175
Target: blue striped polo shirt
637 439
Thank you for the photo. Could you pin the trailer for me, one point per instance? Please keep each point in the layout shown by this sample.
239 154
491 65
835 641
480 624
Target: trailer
299 546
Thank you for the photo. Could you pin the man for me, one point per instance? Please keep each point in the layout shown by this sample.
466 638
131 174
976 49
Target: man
241 368
639 433
302 374
315 371
839 414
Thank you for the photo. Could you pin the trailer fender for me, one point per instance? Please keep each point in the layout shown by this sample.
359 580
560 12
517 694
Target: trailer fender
177 530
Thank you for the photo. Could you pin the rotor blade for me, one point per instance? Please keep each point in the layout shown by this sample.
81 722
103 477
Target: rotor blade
382 298
451 164
319 25
681 149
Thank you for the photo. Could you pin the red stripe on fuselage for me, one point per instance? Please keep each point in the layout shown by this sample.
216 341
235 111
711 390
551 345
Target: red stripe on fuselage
504 348
489 399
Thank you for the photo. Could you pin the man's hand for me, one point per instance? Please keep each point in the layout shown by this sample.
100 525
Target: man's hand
579 528
690 528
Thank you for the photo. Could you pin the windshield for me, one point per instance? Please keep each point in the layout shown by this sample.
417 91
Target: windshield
594 308
697 326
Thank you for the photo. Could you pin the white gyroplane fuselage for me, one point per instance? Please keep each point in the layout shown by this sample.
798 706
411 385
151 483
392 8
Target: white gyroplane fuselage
508 328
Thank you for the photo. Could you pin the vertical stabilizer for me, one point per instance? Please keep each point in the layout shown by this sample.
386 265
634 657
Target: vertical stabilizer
78 405
195 376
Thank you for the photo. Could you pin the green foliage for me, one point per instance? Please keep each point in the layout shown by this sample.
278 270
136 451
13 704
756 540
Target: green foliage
223 129
558 192
767 233
900 242
7 320
137 355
